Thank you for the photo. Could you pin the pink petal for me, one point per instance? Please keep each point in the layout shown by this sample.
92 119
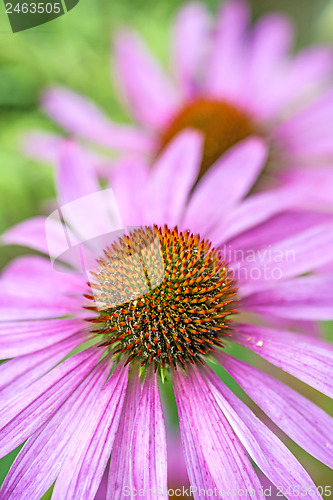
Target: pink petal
38 464
20 304
45 147
257 209
298 83
88 210
148 457
273 230
129 181
172 178
75 177
290 352
239 168
267 451
319 180
312 328
119 470
226 67
177 472
30 409
271 41
36 273
214 456
309 426
82 470
146 90
22 371
309 123
32 233
307 298
81 117
315 142
297 255
191 41
24 337
42 146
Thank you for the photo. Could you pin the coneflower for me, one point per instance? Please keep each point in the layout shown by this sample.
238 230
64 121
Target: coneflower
230 81
164 299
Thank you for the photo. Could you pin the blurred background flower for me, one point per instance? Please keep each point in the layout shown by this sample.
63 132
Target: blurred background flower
74 51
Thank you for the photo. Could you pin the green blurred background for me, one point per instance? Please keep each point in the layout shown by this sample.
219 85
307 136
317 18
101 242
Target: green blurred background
74 50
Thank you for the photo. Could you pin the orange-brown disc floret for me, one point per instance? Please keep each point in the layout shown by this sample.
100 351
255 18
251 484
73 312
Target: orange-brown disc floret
222 124
162 296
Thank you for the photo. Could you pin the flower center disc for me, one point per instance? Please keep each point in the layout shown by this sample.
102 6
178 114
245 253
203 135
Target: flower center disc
222 124
162 296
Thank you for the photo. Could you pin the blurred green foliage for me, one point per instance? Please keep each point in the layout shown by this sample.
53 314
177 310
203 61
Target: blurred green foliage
74 50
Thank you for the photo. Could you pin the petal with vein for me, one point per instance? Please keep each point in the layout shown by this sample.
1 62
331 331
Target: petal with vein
267 451
238 168
119 470
290 352
27 411
173 177
38 463
304 422
89 450
148 456
213 454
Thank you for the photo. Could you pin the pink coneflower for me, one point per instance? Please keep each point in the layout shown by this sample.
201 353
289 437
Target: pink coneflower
229 81
198 271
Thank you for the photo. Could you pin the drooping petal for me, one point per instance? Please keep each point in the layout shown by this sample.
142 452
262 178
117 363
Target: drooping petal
273 230
172 178
24 337
75 177
320 181
89 211
303 131
36 273
213 455
31 233
233 174
146 90
293 256
255 210
37 465
290 352
129 181
312 143
119 470
30 409
297 83
148 457
271 41
44 146
190 37
81 117
18 373
307 298
312 328
226 67
82 470
267 451
18 304
304 422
